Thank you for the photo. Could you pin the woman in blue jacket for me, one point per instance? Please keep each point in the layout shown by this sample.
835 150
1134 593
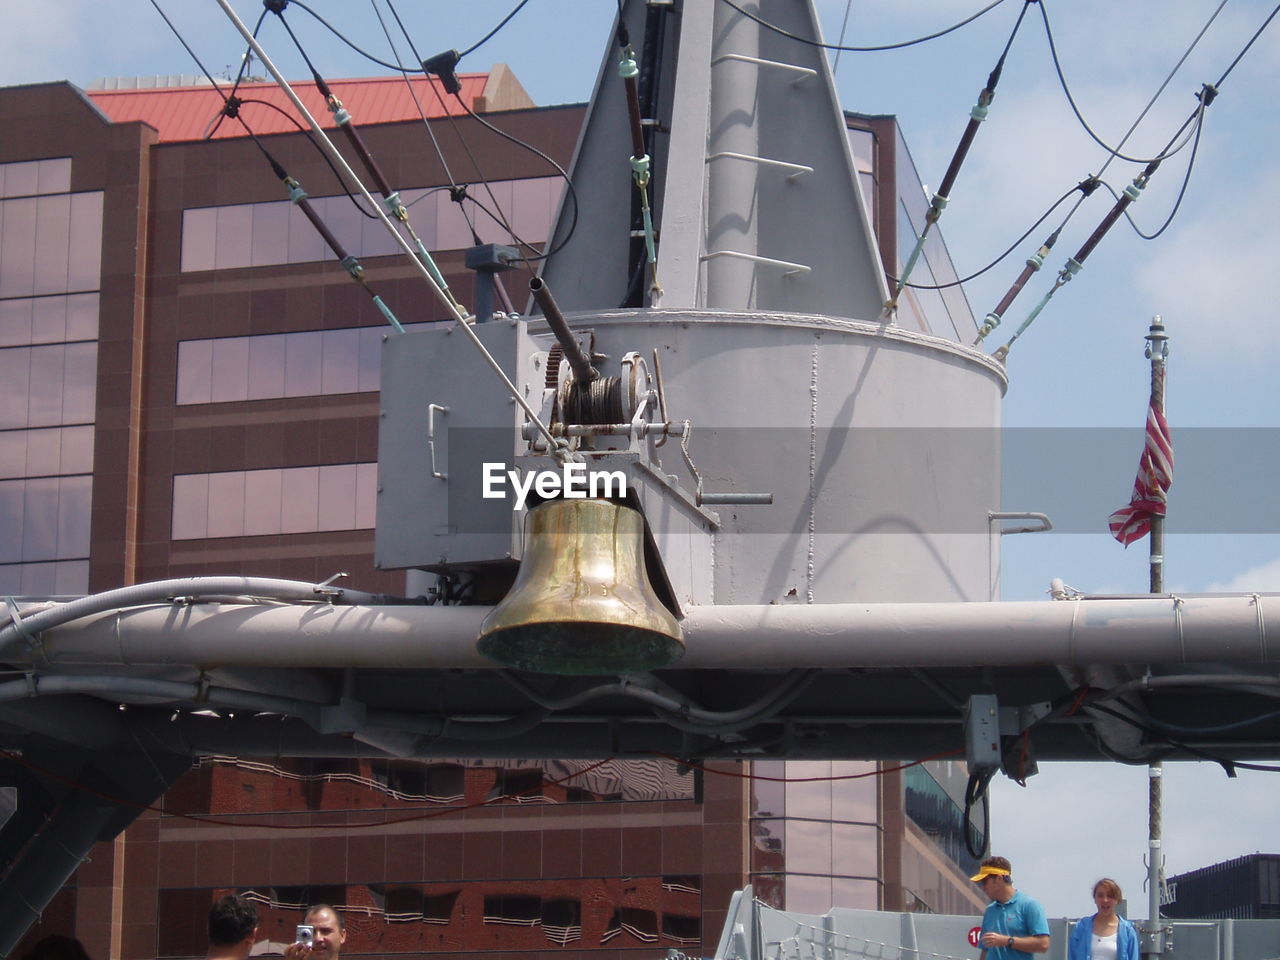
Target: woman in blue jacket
1106 935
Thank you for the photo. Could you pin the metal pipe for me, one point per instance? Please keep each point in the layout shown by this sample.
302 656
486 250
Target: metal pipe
583 371
1024 633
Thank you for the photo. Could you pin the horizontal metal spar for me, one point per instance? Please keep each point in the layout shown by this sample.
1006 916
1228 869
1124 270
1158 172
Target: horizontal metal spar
1161 630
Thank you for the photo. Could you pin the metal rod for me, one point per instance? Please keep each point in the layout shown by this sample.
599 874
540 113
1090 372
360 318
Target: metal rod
583 371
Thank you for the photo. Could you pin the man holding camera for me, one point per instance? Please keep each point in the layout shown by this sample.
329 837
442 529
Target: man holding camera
328 933
233 928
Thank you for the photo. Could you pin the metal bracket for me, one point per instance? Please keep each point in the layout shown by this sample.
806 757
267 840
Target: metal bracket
431 437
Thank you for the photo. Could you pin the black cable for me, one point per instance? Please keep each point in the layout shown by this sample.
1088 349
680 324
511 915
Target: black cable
1251 42
444 162
1224 762
368 56
974 791
1182 191
1013 246
244 65
488 36
888 46
1114 152
573 224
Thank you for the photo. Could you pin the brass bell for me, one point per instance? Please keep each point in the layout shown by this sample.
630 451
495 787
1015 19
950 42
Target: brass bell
581 602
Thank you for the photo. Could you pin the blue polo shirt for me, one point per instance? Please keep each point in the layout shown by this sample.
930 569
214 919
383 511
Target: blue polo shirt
1020 916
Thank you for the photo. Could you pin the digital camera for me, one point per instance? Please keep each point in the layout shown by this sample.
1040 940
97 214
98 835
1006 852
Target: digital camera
305 933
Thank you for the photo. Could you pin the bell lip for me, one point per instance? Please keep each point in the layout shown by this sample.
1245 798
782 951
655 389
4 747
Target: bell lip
501 646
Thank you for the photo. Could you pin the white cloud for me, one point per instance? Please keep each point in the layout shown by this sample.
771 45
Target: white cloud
1264 578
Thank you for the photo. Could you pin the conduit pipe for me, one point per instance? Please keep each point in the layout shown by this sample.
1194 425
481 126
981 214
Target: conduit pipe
1164 629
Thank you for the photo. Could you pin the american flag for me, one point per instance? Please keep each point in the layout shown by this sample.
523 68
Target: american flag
1151 487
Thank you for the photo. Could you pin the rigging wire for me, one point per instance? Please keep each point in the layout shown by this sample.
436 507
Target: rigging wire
1082 185
364 53
1114 152
558 447
489 36
444 162
1186 179
942 195
244 66
888 46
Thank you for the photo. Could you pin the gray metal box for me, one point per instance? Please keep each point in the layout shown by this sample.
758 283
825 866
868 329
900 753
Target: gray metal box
444 414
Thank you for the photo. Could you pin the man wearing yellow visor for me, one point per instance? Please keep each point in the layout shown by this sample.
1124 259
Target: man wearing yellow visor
1014 926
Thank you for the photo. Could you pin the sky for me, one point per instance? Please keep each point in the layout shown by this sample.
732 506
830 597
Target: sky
1080 366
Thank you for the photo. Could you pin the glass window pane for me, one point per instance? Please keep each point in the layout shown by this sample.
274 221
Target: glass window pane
768 796
53 243
77 450
343 220
855 894
767 852
199 236
13 453
80 385
300 508
15 322
370 358
226 504
84 262
532 208
40 526
15 387
71 577
262 498
10 573
22 179
366 496
270 233
452 232
38 578
74 501
305 244
11 519
303 355
337 497
340 363
808 894
808 846
855 848
854 799
809 799
53 176
195 371
230 369
266 366
17 247
190 506
49 320
43 449
491 230
44 404
233 243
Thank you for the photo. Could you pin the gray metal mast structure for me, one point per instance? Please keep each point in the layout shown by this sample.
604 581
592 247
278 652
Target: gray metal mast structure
818 487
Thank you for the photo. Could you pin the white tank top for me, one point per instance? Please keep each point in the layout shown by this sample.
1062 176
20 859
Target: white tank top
1102 948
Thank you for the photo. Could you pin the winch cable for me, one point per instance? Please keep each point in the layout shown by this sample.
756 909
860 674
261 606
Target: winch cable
558 448
942 195
297 196
342 117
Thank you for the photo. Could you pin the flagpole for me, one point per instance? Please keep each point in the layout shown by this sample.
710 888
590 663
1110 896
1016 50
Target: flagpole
1157 352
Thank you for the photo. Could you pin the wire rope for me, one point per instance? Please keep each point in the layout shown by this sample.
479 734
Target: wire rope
490 35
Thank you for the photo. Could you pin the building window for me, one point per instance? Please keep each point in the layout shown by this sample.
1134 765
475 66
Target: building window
251 503
276 232
279 365
32 177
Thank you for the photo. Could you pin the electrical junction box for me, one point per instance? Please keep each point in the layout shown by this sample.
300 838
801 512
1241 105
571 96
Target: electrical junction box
982 732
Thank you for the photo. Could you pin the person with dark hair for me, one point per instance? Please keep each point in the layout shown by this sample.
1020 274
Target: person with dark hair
1014 926
1106 935
233 928
331 934
57 947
